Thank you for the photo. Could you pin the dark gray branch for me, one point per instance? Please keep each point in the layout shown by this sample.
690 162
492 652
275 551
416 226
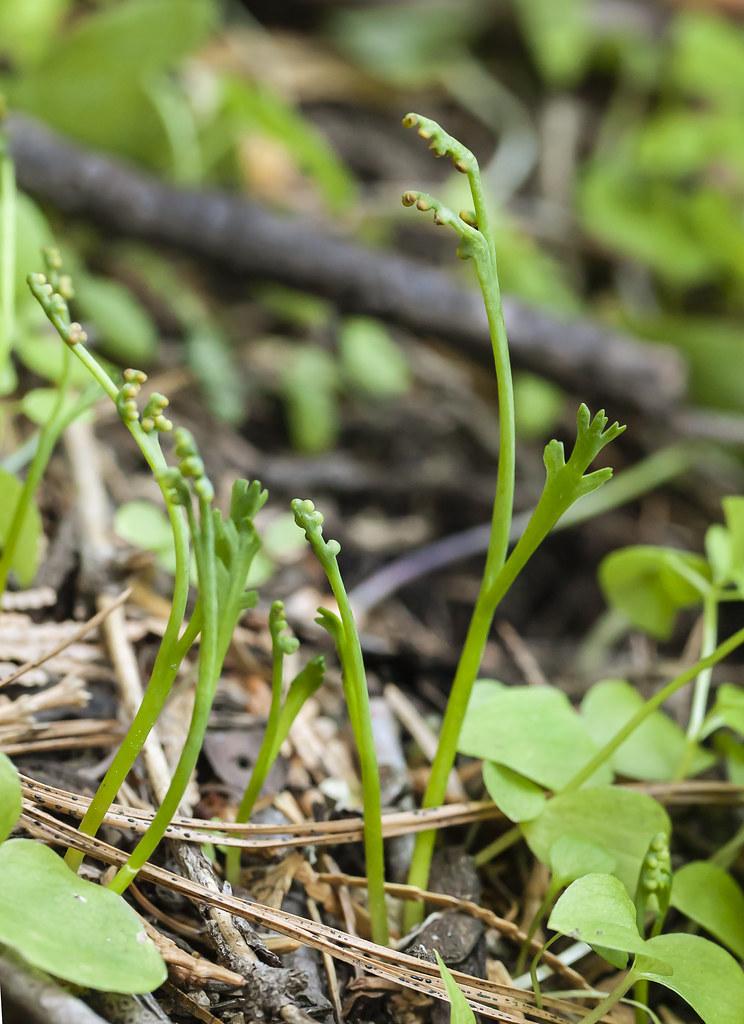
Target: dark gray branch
247 239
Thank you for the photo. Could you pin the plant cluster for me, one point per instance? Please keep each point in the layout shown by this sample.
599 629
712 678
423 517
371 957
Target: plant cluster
551 769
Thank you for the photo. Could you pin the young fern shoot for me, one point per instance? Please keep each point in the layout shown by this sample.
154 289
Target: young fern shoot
279 721
342 629
565 483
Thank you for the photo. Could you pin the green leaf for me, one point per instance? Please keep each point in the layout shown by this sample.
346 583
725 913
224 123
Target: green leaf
732 751
559 34
309 384
623 822
572 856
649 221
283 540
518 797
10 797
501 724
371 360
704 975
26 557
708 57
729 707
598 910
43 353
708 895
26 30
733 512
144 525
71 928
460 1012
253 108
307 682
655 750
211 359
32 235
127 332
92 84
649 585
538 405
39 404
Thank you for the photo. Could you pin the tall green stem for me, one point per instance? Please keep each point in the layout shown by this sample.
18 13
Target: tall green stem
7 254
484 610
262 767
205 687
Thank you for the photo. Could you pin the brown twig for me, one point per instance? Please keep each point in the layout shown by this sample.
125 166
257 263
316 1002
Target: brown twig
250 240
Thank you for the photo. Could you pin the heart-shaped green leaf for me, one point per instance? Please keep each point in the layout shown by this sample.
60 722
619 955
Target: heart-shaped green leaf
709 896
703 974
571 857
649 585
655 750
518 797
71 928
621 821
26 557
501 725
598 910
10 797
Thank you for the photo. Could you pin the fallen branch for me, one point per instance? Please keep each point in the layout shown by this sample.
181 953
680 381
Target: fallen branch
247 239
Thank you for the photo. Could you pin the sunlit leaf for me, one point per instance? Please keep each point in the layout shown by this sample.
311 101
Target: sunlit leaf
622 822
649 585
71 928
501 725
708 895
371 360
573 856
655 750
703 974
518 797
598 910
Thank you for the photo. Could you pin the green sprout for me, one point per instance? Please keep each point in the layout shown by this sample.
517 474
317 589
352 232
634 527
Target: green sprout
342 629
64 410
566 481
279 722
223 549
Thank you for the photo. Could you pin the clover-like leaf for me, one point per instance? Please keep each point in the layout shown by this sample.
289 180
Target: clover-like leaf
71 928
598 910
650 585
702 973
517 796
573 856
622 822
655 750
502 722
708 895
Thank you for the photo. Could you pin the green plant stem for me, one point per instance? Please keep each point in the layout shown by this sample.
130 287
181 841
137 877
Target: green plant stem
652 704
209 667
172 648
702 683
167 662
7 254
48 438
261 768
546 903
504 842
485 606
613 997
728 853
357 698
